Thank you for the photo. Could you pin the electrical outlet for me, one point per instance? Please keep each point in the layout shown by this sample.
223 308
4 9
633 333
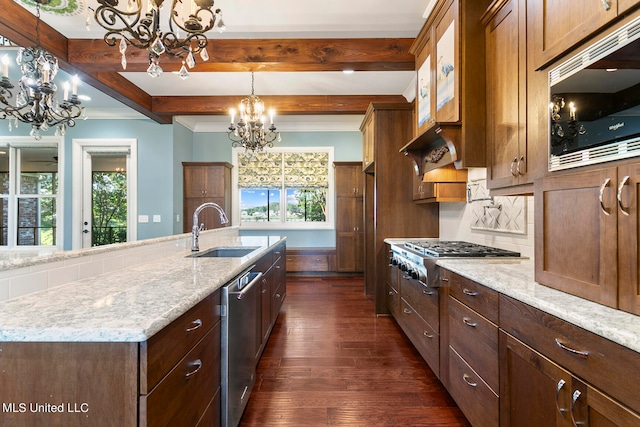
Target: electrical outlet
143 218
157 218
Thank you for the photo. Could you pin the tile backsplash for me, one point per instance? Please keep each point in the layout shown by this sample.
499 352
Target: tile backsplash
481 221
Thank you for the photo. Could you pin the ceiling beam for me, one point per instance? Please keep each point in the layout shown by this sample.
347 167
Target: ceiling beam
283 105
261 55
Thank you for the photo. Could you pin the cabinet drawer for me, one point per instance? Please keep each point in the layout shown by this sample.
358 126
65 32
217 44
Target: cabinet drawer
480 298
163 350
423 337
474 397
600 362
393 301
307 263
423 299
183 396
475 339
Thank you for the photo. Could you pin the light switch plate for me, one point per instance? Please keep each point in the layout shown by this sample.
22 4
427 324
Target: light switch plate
143 218
156 218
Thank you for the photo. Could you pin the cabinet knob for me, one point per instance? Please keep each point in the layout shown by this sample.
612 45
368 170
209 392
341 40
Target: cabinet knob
606 4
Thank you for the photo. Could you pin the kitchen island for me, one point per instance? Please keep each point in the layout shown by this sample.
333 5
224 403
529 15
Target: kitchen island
96 351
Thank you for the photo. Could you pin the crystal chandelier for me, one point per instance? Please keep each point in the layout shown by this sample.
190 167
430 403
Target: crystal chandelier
139 26
249 132
35 102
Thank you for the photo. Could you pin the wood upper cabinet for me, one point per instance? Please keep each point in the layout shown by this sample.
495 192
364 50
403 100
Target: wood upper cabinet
206 182
506 64
449 113
368 146
349 181
587 226
559 25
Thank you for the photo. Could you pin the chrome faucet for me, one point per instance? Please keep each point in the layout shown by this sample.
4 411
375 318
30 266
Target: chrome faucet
195 231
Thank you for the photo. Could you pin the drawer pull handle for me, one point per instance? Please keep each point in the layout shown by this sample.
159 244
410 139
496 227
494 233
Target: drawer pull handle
198 364
196 324
427 291
574 399
278 296
469 292
444 279
583 354
390 293
468 322
467 379
406 311
559 387
604 185
428 335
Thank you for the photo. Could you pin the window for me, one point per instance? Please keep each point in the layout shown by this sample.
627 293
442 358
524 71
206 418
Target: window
29 186
285 188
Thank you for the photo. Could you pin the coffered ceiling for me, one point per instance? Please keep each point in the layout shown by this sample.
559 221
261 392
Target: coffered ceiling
297 49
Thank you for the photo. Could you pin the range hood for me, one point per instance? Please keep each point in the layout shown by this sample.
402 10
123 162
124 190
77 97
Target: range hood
438 146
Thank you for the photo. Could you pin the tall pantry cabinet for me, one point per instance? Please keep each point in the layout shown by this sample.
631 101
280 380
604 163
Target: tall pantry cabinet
349 182
389 209
206 182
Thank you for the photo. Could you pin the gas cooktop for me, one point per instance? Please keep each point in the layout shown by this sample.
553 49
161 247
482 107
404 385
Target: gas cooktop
446 248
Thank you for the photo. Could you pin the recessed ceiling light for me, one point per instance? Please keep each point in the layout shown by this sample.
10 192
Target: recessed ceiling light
348 71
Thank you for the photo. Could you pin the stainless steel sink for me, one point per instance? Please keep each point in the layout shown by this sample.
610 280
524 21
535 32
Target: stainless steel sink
225 252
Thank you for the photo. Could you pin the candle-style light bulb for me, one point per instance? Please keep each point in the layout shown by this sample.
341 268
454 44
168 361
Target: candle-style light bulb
74 85
5 66
233 113
271 114
66 90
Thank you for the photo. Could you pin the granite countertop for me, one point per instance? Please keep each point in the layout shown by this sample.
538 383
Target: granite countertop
129 305
515 278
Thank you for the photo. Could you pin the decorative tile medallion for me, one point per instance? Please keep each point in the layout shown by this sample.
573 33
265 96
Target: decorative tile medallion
507 214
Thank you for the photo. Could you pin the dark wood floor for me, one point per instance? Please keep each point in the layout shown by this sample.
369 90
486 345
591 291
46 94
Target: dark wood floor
331 362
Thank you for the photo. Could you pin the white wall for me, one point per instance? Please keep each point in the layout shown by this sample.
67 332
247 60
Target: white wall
456 220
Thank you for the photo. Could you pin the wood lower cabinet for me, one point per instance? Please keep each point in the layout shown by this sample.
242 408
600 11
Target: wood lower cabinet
473 349
606 367
538 392
419 318
272 294
586 227
173 379
206 182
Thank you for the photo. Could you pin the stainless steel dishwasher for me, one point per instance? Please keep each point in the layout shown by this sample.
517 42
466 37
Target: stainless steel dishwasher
239 337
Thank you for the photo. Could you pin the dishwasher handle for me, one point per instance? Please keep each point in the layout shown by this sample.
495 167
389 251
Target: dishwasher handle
239 294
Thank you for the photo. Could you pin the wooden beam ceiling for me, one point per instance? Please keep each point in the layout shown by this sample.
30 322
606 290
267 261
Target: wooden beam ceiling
99 65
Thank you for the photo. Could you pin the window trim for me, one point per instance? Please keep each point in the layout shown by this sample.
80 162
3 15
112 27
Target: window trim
18 142
329 224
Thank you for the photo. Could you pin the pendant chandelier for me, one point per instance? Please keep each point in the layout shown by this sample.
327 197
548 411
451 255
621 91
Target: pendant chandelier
35 102
249 132
139 26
